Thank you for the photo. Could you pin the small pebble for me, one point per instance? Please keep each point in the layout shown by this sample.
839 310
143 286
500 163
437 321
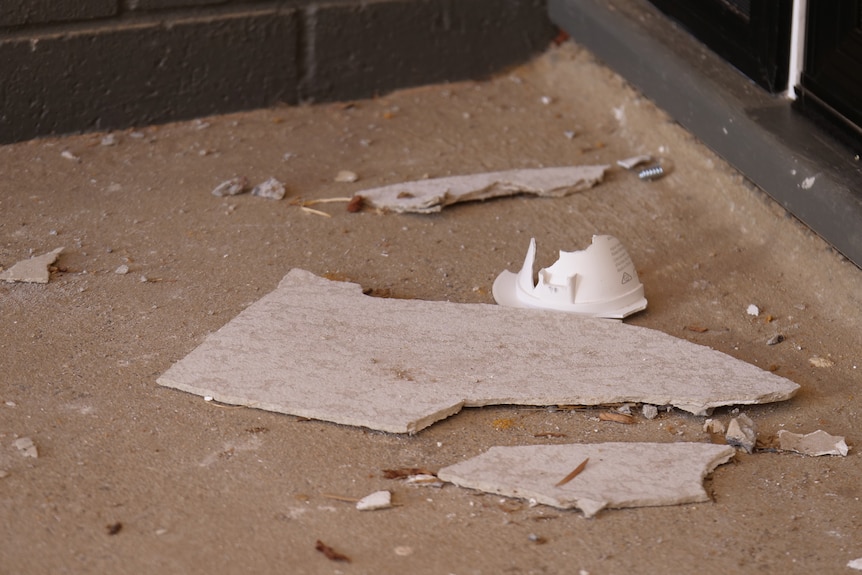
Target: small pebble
271 189
649 411
775 339
122 270
346 176
753 310
231 187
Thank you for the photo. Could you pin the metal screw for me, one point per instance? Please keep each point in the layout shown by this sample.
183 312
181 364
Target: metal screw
651 173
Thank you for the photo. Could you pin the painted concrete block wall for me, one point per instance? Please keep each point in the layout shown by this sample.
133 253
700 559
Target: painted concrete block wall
68 65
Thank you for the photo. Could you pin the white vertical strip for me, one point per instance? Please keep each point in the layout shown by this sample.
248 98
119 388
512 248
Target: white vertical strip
797 46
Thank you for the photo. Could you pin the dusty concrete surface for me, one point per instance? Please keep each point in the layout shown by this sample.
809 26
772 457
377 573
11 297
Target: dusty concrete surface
190 486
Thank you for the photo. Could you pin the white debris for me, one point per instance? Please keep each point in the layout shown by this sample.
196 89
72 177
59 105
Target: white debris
26 447
815 443
376 500
432 195
649 411
742 432
817 361
346 176
752 310
570 134
109 140
439 349
629 163
271 189
70 156
231 187
546 100
855 564
616 475
33 270
714 426
424 479
122 270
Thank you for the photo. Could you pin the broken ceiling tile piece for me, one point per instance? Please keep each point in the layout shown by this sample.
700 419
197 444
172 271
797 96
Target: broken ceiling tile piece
617 475
322 349
742 432
376 500
34 270
599 281
815 443
428 196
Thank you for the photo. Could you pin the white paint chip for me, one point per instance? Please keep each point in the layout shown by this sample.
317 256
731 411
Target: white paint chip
33 270
376 500
617 474
321 349
432 195
815 443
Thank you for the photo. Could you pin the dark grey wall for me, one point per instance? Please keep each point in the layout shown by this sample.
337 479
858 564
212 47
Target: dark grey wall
75 65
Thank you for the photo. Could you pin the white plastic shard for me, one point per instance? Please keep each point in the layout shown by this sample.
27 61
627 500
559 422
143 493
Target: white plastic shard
432 195
599 281
322 349
616 475
33 270
815 443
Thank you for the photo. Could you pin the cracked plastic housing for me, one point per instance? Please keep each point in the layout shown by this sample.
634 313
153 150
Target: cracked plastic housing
599 281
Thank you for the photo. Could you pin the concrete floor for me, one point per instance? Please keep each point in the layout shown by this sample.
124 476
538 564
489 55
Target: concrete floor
195 487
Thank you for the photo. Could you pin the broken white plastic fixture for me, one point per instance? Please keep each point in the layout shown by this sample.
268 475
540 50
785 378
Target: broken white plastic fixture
599 281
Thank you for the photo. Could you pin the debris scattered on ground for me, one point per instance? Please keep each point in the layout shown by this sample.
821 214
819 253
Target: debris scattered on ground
855 564
231 187
271 189
775 339
33 270
26 447
649 411
752 310
618 475
122 270
346 176
68 155
635 161
374 501
600 281
109 140
742 432
424 480
817 361
114 528
616 417
330 553
447 356
815 443
714 426
432 195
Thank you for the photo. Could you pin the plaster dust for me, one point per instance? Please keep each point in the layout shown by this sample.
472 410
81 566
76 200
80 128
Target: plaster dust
199 487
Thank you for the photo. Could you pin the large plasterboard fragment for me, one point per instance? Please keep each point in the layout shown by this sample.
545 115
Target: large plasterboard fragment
322 349
33 270
616 474
432 195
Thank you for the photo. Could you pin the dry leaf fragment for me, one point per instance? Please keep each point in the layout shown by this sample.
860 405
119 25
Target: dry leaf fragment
330 553
617 417
697 328
355 204
405 472
573 474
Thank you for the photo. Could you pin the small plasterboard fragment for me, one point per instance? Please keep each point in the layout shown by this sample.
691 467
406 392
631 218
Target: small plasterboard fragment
322 349
376 500
432 195
742 432
617 475
855 564
815 443
33 270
